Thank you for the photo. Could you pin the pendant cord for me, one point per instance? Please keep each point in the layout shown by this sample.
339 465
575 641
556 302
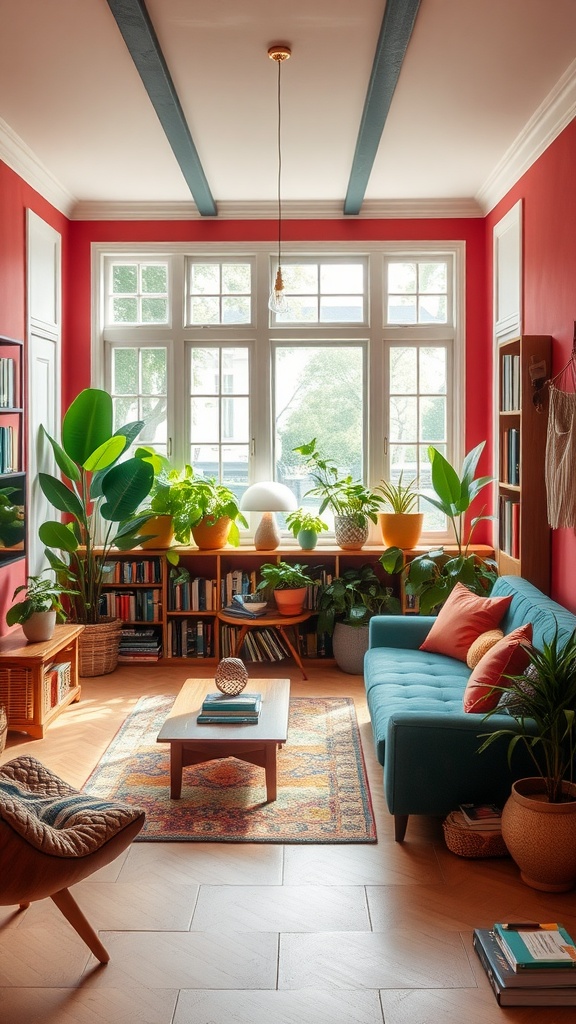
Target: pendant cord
279 190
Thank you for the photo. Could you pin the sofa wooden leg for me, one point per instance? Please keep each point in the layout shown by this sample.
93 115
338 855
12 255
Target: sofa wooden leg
68 906
400 824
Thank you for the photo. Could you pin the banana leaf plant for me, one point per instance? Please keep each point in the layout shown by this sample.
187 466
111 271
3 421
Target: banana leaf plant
431 577
99 494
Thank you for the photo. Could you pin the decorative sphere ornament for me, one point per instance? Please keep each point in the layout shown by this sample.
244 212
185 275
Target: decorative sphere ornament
231 676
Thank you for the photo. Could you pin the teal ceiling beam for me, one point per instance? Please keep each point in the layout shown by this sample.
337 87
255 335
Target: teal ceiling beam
138 33
395 33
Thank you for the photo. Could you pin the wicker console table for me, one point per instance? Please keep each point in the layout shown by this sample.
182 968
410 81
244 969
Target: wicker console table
24 686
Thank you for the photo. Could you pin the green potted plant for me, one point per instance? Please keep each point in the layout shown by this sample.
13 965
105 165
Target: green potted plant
39 608
352 503
288 584
345 607
99 494
402 525
12 522
214 514
432 576
305 527
539 818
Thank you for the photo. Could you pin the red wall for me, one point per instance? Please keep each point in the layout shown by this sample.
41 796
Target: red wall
549 218
15 197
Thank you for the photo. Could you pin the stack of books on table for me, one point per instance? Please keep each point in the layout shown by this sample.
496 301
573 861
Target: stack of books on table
528 964
480 817
217 708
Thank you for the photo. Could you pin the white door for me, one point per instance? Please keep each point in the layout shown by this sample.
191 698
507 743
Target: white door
43 399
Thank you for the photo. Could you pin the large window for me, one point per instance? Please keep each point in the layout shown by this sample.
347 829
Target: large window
366 358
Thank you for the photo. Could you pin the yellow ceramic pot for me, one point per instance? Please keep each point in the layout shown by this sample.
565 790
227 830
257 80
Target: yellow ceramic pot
401 529
163 530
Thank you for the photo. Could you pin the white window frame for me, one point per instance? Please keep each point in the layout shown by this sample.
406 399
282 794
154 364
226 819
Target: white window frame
263 333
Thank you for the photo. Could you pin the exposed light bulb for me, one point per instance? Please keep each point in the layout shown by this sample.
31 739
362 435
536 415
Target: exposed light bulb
277 300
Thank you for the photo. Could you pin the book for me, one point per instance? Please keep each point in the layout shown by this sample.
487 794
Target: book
232 712
535 946
228 719
538 988
484 816
241 701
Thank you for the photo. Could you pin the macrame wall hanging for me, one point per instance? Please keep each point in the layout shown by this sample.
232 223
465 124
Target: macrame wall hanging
561 445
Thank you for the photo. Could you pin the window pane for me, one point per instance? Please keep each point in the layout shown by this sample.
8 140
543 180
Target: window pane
205 371
204 458
154 311
403 461
300 278
432 309
236 310
299 310
403 418
204 419
403 370
154 413
125 371
125 411
125 311
155 278
341 309
205 311
124 279
432 277
401 309
154 381
205 279
235 419
235 467
402 277
433 371
340 278
433 420
235 371
318 392
236 277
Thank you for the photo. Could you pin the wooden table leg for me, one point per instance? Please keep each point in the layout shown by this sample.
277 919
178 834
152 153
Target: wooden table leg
294 652
271 775
240 640
176 750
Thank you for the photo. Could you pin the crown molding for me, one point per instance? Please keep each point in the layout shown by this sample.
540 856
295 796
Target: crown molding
548 120
327 210
17 155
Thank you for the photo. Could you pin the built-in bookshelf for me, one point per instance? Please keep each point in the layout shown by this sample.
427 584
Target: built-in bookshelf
523 531
12 475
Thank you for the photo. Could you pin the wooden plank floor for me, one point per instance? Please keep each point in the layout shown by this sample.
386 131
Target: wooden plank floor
210 933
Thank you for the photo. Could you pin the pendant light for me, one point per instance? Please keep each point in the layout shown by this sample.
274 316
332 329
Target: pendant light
277 300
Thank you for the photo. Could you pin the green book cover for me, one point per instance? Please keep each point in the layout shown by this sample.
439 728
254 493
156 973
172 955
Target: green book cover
533 946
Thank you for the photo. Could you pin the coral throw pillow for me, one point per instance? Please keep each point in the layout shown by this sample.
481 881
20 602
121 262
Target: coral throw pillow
483 644
461 620
506 658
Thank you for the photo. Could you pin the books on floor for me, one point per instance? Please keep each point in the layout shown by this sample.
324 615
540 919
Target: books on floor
218 708
481 817
544 985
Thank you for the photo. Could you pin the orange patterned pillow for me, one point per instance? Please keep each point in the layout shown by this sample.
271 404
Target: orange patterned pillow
481 645
507 658
461 620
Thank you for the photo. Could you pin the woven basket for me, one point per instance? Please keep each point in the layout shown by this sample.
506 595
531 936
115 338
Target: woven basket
466 842
98 647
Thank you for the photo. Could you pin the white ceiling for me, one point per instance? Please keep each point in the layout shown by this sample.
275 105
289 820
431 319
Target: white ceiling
484 83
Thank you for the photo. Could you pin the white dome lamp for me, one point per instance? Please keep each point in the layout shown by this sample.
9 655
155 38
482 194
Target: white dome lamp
268 498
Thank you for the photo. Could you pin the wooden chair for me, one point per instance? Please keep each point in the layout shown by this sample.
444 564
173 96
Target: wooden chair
52 836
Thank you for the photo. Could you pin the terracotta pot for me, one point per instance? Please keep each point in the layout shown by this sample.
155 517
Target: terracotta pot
39 627
541 836
163 528
290 602
401 529
349 644
209 536
349 535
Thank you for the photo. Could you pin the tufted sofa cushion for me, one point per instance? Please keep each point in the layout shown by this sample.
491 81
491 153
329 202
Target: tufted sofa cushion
52 816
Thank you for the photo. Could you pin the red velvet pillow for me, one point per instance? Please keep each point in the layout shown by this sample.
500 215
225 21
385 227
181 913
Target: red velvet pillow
461 619
506 658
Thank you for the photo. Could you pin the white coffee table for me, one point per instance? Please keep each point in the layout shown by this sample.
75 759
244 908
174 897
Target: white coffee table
256 743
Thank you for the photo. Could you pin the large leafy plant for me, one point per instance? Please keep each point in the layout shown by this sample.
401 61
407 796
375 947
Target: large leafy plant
99 494
432 576
544 708
342 494
353 598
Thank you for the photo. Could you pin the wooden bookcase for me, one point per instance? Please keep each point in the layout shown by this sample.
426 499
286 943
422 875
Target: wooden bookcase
523 531
191 613
12 475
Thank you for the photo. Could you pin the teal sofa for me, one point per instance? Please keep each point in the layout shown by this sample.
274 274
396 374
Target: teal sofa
425 742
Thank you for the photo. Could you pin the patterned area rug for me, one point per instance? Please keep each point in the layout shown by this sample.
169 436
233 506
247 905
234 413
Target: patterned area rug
323 794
